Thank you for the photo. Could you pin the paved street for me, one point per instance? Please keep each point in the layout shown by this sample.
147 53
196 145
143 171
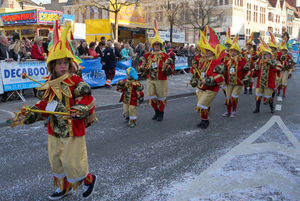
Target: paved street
249 157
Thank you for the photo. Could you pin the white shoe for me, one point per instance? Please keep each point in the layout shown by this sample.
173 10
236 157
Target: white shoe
226 114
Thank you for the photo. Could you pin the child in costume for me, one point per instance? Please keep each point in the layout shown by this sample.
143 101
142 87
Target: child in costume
132 95
66 92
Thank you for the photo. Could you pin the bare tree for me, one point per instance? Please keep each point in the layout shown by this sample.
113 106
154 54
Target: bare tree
112 6
171 9
199 13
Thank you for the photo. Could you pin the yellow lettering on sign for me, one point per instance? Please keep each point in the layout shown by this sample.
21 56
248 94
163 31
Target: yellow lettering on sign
49 17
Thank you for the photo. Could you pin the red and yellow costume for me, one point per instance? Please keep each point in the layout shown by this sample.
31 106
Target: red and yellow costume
250 56
287 67
237 72
132 95
266 71
66 139
210 77
152 64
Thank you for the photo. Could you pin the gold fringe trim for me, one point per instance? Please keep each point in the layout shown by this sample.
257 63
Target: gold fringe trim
75 185
162 102
234 100
154 100
227 101
258 98
132 121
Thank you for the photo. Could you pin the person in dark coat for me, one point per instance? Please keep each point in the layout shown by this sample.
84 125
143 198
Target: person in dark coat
4 55
83 50
46 44
108 61
117 49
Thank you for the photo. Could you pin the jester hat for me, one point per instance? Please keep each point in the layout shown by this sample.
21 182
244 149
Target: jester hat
60 47
250 39
235 45
272 41
132 73
156 38
264 47
213 44
283 45
228 40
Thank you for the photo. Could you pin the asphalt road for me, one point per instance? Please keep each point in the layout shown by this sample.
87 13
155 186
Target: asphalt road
172 159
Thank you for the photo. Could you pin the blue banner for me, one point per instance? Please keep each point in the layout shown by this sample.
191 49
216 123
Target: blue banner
181 63
95 76
294 52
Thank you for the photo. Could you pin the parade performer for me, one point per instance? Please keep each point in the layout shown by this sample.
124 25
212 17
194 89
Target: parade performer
237 74
196 63
250 55
210 76
287 67
265 69
65 92
276 56
157 65
132 95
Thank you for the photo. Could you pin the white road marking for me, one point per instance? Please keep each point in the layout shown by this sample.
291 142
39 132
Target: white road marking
11 113
278 107
208 183
279 98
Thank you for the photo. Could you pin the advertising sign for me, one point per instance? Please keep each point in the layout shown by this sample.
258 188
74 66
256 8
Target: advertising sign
22 17
49 17
130 14
95 76
11 74
178 35
181 63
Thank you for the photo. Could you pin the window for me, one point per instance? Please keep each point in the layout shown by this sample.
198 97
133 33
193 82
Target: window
255 13
223 2
77 15
248 32
239 2
99 13
262 15
271 17
11 4
248 12
92 13
159 16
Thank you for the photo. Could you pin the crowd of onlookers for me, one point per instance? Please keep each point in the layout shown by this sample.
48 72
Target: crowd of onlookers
109 51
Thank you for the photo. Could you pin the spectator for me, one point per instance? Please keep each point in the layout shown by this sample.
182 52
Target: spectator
139 50
172 55
18 51
16 38
103 39
187 46
37 50
146 48
191 51
117 49
83 50
74 45
92 50
122 45
99 48
125 52
131 48
168 47
46 44
4 55
109 64
28 48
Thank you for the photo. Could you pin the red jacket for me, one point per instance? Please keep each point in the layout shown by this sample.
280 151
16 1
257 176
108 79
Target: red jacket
131 93
249 56
219 78
36 54
270 79
146 64
239 70
93 53
78 126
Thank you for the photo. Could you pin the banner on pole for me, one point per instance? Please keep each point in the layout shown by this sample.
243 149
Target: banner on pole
12 74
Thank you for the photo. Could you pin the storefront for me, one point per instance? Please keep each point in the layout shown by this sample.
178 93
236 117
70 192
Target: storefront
29 24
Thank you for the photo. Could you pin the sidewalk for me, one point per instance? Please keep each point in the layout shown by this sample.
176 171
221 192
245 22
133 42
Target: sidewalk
105 98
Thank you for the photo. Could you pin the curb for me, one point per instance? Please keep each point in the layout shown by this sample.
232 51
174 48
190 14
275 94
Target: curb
120 105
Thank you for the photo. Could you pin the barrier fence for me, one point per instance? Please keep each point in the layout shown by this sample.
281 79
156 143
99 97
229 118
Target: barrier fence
11 79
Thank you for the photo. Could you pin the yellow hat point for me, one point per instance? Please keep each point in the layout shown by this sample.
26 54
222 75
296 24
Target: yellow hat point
283 45
264 47
250 39
228 40
235 45
272 41
58 49
156 38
